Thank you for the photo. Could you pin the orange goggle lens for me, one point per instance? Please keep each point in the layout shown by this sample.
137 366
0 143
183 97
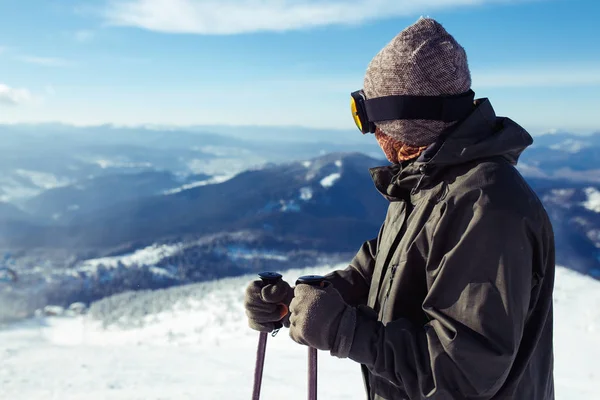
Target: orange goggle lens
355 116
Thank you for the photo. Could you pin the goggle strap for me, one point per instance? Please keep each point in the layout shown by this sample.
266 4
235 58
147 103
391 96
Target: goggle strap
437 108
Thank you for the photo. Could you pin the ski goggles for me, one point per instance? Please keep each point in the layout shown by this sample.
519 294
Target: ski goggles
366 112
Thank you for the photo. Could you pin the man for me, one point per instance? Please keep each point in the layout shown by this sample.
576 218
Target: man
453 299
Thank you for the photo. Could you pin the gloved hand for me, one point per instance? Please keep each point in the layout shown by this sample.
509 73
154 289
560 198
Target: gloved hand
267 304
320 318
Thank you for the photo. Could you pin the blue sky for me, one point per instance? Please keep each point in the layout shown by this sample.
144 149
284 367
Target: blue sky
281 62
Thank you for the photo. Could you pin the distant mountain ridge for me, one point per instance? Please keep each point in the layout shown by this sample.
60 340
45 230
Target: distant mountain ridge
92 194
327 204
317 199
128 209
290 215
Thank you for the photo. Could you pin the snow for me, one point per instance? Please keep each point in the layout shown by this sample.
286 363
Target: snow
147 256
201 347
281 206
593 199
306 164
216 166
594 236
241 252
570 146
43 180
21 184
106 163
531 170
212 181
561 197
576 335
306 193
11 193
330 180
338 163
289 206
563 192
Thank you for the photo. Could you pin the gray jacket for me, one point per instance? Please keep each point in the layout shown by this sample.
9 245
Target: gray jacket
454 296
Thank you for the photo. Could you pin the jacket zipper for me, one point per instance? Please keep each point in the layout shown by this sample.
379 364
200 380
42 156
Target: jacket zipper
409 209
389 289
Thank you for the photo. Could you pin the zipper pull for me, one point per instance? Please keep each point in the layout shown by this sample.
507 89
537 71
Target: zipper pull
423 171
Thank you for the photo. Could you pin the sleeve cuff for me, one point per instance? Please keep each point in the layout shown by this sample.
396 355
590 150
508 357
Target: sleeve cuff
364 342
345 333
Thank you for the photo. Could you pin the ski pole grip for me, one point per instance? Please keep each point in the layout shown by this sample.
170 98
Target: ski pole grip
271 278
312 280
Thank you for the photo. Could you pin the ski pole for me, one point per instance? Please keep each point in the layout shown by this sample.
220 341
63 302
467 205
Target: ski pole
267 278
313 280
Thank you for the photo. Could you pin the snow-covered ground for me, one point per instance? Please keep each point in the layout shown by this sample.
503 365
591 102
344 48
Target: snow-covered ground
108 163
199 347
147 256
593 199
571 146
232 164
330 180
212 181
21 184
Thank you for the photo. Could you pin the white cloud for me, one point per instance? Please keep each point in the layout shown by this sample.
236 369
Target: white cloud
223 17
538 76
13 97
45 61
84 36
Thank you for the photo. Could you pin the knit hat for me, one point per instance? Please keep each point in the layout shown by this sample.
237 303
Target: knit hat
423 60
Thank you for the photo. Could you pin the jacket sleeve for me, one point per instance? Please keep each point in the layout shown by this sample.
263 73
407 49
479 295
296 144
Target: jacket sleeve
479 271
354 282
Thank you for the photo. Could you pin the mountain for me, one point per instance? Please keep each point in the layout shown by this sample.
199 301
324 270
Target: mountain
575 213
280 216
563 156
96 193
111 209
567 141
10 212
327 204
37 158
119 350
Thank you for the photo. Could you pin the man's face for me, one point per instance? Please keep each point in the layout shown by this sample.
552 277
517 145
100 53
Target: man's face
394 150
388 145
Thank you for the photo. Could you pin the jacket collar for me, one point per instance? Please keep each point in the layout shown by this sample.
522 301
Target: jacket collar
481 135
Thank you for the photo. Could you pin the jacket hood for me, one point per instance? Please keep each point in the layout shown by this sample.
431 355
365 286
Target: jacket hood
481 135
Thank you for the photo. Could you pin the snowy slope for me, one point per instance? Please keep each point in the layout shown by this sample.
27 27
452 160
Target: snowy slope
193 343
147 256
593 199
